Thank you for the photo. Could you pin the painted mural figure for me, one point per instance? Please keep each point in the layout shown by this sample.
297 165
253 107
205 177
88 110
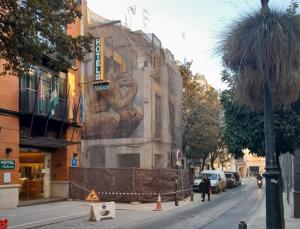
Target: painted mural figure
115 115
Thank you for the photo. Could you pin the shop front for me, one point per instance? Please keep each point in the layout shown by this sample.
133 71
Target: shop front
34 175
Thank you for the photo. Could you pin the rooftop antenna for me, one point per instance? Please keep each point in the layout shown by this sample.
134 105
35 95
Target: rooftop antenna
131 12
183 35
146 19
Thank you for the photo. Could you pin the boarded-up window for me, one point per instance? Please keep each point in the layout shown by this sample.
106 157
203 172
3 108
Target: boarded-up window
156 62
158 124
158 161
97 157
172 120
129 160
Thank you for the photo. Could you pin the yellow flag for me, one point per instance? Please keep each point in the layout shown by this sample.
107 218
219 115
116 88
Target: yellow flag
71 86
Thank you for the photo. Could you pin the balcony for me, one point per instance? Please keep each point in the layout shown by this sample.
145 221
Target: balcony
30 104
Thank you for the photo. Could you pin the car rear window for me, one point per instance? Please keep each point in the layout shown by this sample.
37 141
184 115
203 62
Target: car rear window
211 176
228 175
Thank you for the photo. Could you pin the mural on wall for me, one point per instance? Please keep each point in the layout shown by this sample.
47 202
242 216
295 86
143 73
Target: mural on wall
118 111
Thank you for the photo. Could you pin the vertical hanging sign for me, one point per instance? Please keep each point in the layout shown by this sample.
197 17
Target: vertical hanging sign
99 83
99 58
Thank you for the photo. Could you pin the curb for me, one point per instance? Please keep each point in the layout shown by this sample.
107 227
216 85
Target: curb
55 220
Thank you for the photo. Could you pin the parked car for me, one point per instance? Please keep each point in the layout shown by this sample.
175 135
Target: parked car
230 180
233 179
217 180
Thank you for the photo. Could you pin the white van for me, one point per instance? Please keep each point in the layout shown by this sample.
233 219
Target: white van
217 180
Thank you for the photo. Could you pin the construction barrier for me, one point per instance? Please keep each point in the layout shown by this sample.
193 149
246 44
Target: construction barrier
128 184
3 223
105 210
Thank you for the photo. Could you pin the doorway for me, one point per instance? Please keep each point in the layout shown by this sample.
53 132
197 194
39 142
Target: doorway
34 175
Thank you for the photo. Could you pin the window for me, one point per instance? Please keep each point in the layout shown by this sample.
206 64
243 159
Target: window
158 124
129 160
36 76
172 120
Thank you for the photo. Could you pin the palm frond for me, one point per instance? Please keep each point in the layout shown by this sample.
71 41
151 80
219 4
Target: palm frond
264 47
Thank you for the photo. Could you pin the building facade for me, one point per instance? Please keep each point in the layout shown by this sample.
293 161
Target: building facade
39 137
136 122
290 170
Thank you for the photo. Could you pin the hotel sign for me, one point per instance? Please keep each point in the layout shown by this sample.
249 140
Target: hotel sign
99 83
7 164
99 58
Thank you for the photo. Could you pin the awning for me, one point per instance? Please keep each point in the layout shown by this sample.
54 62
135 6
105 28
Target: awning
44 142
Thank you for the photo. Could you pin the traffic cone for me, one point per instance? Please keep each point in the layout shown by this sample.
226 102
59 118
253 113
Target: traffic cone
158 203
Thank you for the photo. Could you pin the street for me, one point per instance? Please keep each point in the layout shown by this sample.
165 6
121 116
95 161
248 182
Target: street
229 208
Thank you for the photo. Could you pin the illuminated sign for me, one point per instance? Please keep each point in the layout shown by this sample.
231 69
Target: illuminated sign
99 58
7 164
101 85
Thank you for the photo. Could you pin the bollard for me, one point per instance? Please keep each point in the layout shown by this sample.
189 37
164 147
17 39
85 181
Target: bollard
176 199
242 225
192 195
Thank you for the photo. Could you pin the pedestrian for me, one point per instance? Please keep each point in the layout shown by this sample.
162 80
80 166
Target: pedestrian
205 183
259 177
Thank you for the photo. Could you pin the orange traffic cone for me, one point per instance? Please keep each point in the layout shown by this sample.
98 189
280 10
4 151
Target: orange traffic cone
158 204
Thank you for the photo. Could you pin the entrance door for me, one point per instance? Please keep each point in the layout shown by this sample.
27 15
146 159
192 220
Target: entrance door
34 175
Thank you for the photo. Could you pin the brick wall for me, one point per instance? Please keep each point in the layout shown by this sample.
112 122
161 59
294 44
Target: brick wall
9 125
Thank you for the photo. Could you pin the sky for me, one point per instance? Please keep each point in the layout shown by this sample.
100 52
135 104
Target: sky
188 28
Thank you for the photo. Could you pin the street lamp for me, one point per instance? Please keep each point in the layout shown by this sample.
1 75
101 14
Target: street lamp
274 208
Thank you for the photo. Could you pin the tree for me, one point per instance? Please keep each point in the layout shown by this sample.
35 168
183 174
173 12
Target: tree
201 110
221 153
244 128
263 48
31 30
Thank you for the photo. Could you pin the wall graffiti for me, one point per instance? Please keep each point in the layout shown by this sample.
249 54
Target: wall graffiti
114 112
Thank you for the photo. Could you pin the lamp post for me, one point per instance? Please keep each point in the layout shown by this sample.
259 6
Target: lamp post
274 208
274 212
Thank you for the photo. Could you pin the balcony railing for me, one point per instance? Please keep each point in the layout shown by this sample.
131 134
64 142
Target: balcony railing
31 102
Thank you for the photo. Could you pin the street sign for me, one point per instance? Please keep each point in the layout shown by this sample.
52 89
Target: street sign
73 162
101 85
7 164
6 178
92 196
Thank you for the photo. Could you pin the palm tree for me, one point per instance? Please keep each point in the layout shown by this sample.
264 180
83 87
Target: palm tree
263 47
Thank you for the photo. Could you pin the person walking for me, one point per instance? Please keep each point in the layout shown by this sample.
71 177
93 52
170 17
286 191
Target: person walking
205 188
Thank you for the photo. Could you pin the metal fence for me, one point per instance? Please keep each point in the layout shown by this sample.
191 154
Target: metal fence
129 184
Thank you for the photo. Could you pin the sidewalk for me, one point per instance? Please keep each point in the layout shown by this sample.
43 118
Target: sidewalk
259 219
43 214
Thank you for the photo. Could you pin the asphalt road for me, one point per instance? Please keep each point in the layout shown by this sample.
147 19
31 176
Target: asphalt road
252 199
227 211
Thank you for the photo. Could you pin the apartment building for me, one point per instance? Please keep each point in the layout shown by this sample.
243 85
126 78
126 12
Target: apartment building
40 131
136 121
